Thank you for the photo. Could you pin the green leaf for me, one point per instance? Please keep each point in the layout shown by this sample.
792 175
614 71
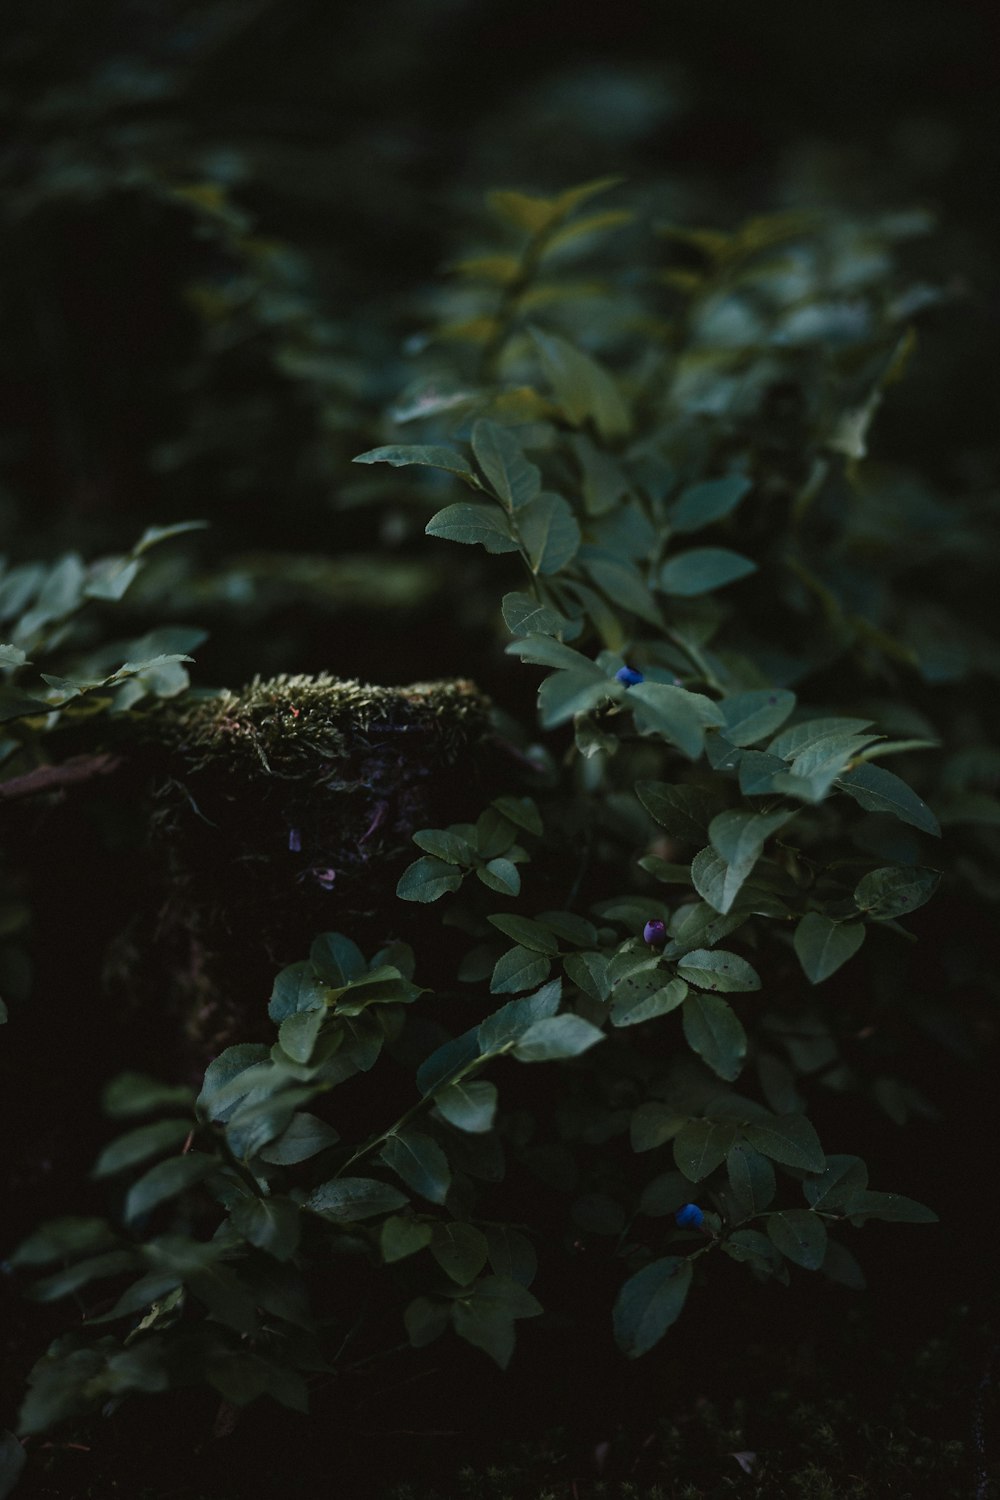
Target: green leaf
444 844
521 811
702 1145
427 879
800 1235
168 1179
485 525
895 890
645 995
485 1319
842 1179
549 533
544 651
750 1247
401 1237
703 569
589 972
460 1250
653 1124
738 838
716 969
892 1207
789 1139
500 875
791 742
684 811
17 705
62 1239
271 1224
557 1036
451 1058
878 790
337 960
823 945
13 1457
714 1031
757 772
429 455
583 387
469 1106
138 1145
133 1094
565 694
512 1020
305 1136
701 504
518 969
523 615
512 1255
751 1178
513 478
420 1162
297 989
750 717
347 1200
63 1283
530 934
681 717
649 1303
297 1034
13 656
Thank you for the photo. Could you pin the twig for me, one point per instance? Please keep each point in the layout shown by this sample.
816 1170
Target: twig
77 769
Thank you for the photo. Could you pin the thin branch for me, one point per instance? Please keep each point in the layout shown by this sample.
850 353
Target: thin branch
72 772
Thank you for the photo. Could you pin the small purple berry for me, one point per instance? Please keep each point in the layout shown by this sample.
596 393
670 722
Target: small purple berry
629 676
294 841
689 1217
655 932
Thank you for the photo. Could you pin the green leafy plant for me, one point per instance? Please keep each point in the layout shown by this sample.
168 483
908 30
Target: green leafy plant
653 974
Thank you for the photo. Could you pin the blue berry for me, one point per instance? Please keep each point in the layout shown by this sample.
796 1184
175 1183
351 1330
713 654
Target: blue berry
655 932
629 676
689 1217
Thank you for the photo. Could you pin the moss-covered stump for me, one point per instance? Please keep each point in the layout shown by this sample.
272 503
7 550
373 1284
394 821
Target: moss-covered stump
288 809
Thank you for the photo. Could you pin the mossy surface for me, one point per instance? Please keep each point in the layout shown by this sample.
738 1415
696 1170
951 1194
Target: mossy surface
287 809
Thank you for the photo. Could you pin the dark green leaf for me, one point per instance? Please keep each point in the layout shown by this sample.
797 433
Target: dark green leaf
168 1179
13 1457
642 996
800 1235
823 945
523 615
512 1020
751 1178
136 1094
138 1145
714 1031
716 969
702 1145
72 1278
684 811
513 478
653 1123
512 1255
878 790
529 934
549 533
738 838
468 1105
649 1303
557 1036
789 1139
305 1136
346 1200
402 1237
271 1224
420 1162
471 524
447 1060
297 989
430 455
703 569
892 1207
892 892
701 504
681 717
583 388
842 1179
460 1250
427 879
518 969
752 716
500 875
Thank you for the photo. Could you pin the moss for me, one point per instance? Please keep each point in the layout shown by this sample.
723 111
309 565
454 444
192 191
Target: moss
287 809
